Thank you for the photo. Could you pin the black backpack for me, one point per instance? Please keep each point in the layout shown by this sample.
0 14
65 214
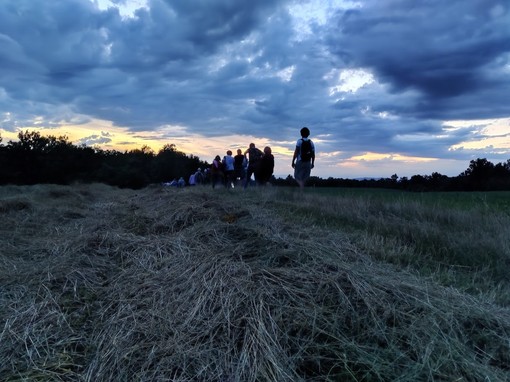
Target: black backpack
254 155
306 150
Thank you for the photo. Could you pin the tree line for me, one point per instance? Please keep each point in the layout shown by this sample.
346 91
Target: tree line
37 159
481 175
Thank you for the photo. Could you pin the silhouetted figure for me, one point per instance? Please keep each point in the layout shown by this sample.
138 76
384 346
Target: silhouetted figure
240 164
217 175
254 155
265 167
303 159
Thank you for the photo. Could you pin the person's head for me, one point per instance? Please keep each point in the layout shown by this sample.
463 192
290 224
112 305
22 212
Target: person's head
252 145
305 132
239 152
267 150
229 152
217 157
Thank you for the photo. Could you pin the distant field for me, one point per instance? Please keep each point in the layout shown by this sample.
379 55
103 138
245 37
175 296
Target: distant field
493 200
269 284
460 239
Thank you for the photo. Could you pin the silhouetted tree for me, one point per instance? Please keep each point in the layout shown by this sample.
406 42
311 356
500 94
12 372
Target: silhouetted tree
418 183
39 159
438 182
478 174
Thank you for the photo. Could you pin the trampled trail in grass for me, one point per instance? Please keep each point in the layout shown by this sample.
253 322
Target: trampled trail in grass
163 284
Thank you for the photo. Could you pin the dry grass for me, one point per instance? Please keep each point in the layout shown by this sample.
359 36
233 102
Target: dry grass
101 284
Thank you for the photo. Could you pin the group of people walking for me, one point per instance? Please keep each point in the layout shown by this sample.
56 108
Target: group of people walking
233 171
230 171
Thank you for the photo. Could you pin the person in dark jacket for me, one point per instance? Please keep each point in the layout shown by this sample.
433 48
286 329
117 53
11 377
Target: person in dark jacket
265 167
240 164
254 155
217 175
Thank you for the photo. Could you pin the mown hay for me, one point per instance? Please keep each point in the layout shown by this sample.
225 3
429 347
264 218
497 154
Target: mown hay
191 285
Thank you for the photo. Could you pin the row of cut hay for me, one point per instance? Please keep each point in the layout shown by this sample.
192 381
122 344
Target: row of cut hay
209 314
217 287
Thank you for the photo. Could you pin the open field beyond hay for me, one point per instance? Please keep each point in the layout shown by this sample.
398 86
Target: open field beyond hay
163 284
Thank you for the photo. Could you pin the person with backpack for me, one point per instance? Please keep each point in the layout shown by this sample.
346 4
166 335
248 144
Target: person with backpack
254 155
303 159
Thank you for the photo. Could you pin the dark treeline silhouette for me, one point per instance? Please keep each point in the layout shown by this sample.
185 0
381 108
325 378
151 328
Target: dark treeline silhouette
47 159
39 159
481 175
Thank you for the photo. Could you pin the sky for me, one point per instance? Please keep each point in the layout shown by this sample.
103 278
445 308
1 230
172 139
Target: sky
386 87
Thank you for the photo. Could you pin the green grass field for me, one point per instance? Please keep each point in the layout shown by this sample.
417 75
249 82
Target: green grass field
267 284
498 201
460 239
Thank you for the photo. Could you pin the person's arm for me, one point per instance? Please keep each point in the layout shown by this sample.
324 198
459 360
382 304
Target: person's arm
313 155
294 157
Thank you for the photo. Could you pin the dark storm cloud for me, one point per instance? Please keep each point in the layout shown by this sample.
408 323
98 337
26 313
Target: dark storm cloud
182 30
138 72
441 49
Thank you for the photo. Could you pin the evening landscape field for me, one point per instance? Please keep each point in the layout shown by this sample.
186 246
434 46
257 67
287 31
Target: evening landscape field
100 283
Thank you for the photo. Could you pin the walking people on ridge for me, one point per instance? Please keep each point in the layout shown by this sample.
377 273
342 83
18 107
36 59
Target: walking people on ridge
228 169
303 159
265 167
254 155
217 171
191 180
199 177
240 163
